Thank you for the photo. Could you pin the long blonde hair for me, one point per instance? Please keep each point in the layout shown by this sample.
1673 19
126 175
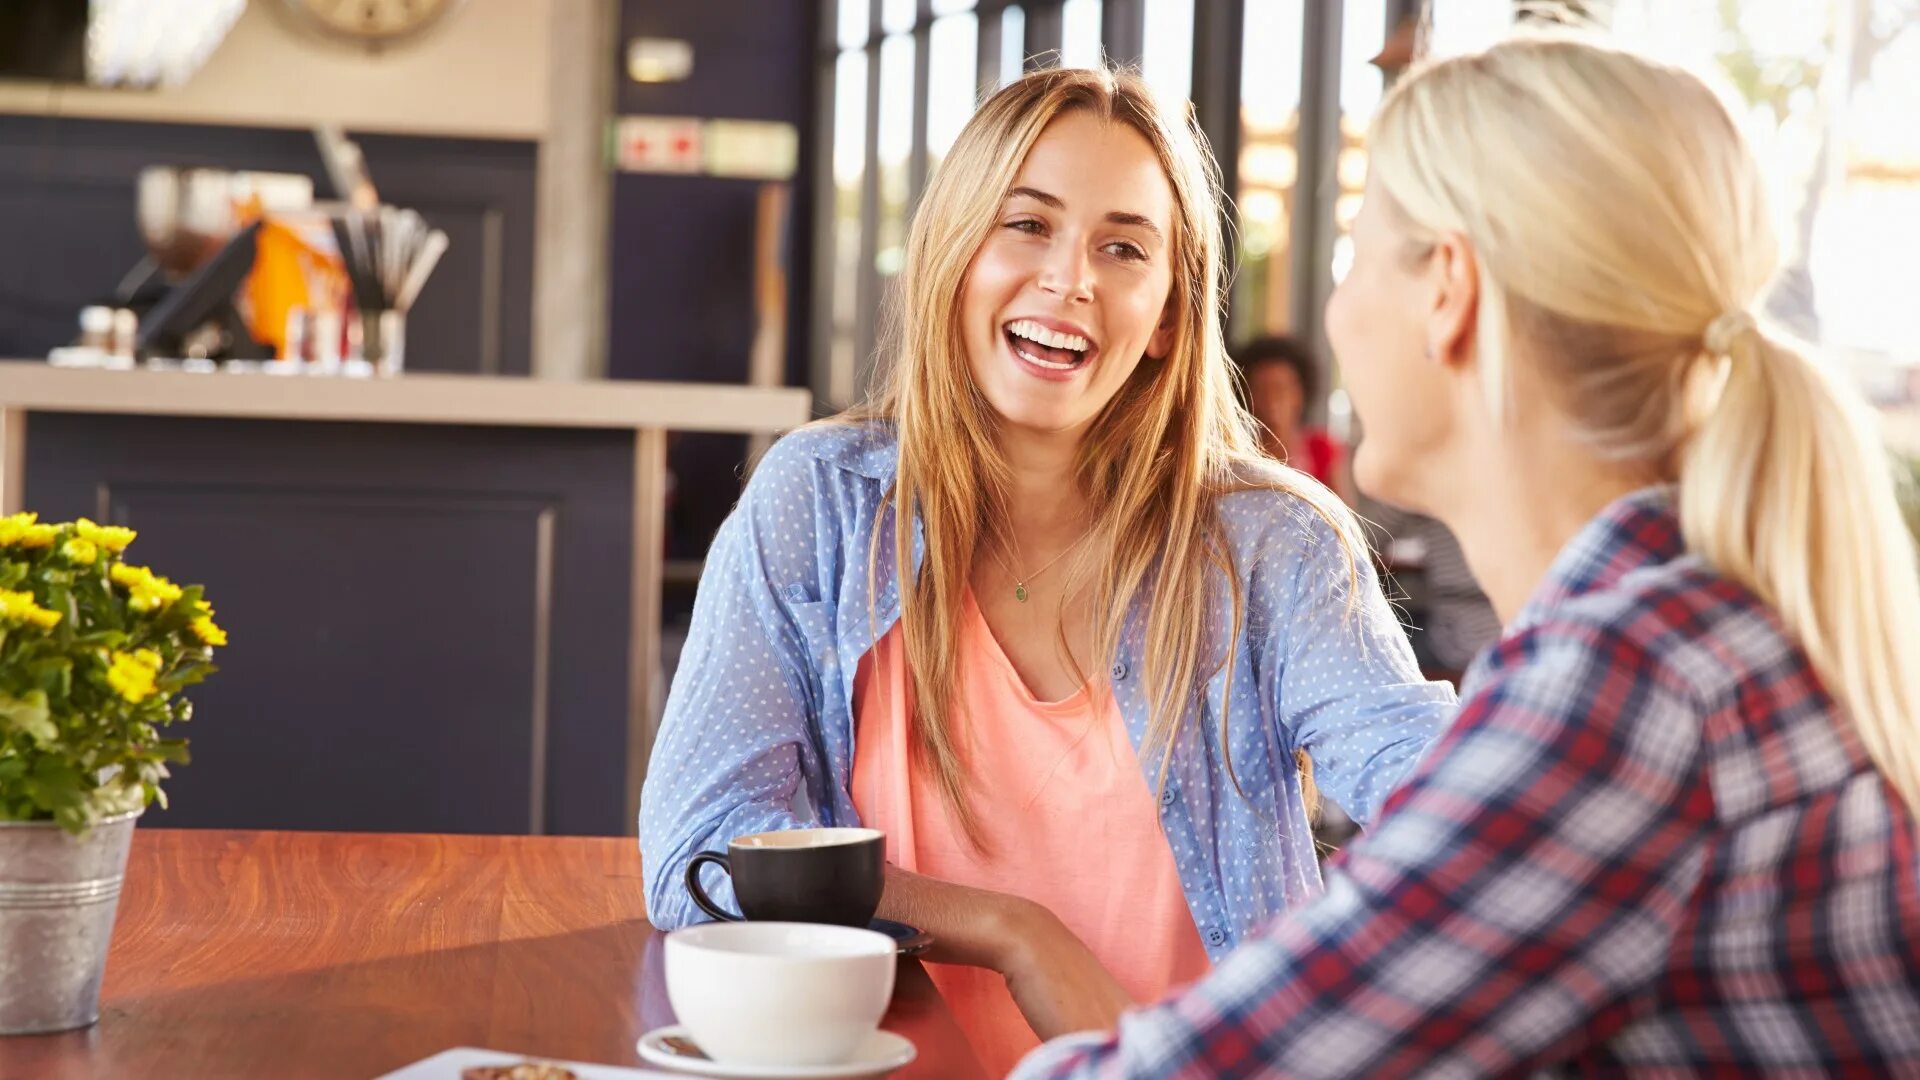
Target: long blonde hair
1153 464
1622 233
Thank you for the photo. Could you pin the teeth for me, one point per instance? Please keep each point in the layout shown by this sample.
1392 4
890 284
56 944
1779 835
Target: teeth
1033 331
1037 362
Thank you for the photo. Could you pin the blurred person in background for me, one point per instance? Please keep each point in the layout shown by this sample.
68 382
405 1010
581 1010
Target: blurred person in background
1450 619
1282 382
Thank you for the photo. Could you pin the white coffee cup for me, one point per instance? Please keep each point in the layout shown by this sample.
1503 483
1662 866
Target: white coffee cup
771 993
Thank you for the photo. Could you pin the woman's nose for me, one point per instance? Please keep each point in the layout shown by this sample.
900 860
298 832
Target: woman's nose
1067 273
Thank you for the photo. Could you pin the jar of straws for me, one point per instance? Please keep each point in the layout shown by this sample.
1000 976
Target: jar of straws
388 253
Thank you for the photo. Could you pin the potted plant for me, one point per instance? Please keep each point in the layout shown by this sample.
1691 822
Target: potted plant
94 652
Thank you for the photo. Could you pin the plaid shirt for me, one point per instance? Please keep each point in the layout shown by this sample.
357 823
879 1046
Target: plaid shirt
1649 844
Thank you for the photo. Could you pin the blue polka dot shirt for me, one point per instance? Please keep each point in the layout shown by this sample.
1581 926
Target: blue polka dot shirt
758 731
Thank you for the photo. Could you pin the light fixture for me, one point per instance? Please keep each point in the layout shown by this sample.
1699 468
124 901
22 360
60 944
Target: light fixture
659 60
145 43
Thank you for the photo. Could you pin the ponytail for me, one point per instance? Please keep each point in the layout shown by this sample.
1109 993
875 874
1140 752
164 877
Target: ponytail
1617 212
1787 489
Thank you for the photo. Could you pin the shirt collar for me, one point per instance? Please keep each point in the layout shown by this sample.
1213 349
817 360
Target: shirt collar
873 452
1634 531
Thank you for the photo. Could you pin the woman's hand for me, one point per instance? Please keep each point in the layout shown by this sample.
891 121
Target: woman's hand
969 926
1057 982
1060 986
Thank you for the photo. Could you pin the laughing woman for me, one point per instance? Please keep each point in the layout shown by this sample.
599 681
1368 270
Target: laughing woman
1041 612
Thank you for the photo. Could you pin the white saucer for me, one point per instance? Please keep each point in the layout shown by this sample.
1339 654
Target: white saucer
882 1053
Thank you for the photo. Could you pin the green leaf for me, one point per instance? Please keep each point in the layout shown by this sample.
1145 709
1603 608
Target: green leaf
28 714
54 676
175 683
54 785
72 818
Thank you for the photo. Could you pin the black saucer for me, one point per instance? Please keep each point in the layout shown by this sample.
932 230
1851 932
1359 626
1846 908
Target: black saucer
913 940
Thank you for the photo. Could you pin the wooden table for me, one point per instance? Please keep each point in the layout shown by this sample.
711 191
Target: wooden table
278 954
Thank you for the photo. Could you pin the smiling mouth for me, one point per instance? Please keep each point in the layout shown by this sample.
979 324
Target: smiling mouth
1047 349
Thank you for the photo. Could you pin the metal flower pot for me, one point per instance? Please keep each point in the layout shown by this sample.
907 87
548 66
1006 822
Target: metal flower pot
58 895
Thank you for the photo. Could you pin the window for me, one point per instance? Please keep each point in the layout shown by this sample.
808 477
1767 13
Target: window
1166 61
902 88
1363 33
1013 36
1269 166
1080 33
952 85
895 148
1309 87
1828 92
842 233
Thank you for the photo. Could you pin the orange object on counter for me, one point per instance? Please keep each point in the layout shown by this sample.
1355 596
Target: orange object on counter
288 273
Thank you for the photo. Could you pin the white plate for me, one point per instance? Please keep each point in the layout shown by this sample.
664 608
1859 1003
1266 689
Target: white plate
882 1053
447 1064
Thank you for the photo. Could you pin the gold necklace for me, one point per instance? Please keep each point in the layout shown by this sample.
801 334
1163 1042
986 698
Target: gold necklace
1019 583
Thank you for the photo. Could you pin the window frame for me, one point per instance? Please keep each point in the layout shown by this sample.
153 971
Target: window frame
1218 57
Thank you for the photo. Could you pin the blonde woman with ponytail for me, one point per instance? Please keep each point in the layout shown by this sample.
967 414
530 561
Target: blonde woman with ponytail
1041 612
1672 829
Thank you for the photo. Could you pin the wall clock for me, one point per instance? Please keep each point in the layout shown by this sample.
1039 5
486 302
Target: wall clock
371 22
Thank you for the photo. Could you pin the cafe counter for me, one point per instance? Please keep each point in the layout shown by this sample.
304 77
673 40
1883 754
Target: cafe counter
442 592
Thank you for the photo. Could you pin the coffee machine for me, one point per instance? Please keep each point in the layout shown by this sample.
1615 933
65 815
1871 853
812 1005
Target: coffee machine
204 229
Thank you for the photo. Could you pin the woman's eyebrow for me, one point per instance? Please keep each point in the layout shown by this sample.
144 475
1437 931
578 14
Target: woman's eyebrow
1118 217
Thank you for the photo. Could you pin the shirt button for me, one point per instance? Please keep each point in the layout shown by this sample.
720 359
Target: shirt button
1216 937
796 593
1119 671
1166 797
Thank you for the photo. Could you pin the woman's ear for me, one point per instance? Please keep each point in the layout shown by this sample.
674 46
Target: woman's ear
1454 318
1161 343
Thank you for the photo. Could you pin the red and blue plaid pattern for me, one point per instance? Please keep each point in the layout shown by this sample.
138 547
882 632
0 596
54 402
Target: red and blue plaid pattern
1650 844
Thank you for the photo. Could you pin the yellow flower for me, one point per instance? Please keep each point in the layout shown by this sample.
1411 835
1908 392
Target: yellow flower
148 590
13 525
80 552
21 530
114 538
20 608
207 632
132 674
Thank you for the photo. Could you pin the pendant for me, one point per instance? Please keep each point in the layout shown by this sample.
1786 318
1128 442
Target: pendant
1019 592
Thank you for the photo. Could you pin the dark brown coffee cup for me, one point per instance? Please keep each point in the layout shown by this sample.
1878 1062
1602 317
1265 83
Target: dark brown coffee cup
798 875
